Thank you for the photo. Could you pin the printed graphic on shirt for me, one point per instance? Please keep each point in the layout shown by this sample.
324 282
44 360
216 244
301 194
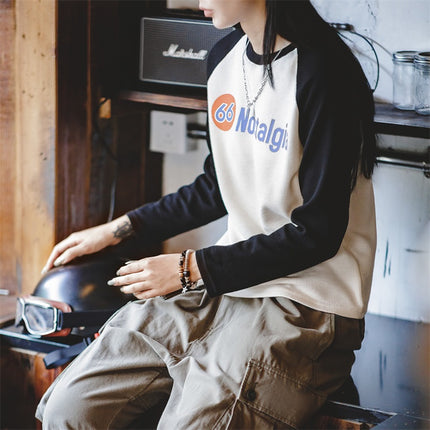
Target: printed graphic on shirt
223 115
224 112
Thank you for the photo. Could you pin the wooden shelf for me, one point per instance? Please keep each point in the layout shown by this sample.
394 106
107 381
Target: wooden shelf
177 101
389 120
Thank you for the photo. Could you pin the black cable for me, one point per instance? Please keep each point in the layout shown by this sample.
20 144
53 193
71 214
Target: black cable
98 132
99 137
373 50
375 54
345 27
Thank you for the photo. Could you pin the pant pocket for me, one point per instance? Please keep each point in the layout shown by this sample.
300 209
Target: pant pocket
309 332
271 399
242 417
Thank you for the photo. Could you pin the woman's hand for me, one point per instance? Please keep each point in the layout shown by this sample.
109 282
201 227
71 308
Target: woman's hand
153 276
89 241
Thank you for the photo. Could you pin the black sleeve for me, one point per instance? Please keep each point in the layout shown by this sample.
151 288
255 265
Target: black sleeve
329 132
190 207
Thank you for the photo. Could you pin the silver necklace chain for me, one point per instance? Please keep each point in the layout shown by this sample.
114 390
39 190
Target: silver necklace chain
250 103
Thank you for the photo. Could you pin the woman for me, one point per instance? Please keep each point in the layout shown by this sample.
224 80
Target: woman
271 333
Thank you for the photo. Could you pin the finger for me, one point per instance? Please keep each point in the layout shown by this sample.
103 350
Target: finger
69 255
125 280
144 295
137 288
55 257
131 267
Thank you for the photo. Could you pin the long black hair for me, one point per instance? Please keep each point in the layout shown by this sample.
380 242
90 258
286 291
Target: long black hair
298 22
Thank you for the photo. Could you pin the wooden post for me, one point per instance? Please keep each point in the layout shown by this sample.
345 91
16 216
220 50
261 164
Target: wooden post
7 145
36 102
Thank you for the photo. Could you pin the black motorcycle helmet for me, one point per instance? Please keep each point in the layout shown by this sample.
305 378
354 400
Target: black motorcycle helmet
82 283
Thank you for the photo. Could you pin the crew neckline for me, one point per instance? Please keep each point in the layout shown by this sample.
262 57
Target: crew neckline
258 58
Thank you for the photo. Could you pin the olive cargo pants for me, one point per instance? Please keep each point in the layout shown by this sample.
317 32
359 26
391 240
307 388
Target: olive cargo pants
222 363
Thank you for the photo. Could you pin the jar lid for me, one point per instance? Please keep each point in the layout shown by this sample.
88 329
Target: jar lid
404 56
422 58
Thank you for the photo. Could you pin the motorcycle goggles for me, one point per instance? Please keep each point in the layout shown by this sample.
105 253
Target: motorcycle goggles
44 317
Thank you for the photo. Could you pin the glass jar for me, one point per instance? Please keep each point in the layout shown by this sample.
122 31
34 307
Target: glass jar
403 80
422 83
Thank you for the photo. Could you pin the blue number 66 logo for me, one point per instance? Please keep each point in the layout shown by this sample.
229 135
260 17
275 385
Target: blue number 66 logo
224 111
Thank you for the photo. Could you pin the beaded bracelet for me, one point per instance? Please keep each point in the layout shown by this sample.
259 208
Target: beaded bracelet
184 271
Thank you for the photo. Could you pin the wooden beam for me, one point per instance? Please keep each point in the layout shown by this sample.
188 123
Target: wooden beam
36 100
7 146
74 119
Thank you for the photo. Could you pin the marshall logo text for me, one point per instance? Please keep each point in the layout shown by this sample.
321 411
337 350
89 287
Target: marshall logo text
182 53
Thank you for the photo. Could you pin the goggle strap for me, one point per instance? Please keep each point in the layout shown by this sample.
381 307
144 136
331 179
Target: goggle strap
63 355
83 318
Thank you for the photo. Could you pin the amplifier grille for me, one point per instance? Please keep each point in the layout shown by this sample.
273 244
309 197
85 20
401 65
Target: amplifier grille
174 51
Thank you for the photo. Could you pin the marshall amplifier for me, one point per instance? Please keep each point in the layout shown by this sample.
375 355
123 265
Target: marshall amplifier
174 51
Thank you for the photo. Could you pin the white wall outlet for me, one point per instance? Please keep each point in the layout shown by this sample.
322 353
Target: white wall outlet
168 132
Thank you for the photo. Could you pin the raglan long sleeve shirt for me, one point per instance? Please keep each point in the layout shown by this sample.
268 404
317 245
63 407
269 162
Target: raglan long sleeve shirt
280 170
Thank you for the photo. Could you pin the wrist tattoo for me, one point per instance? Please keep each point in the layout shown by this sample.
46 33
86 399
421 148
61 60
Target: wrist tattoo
123 230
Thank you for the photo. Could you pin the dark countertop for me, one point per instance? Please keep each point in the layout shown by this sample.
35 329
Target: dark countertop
392 371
